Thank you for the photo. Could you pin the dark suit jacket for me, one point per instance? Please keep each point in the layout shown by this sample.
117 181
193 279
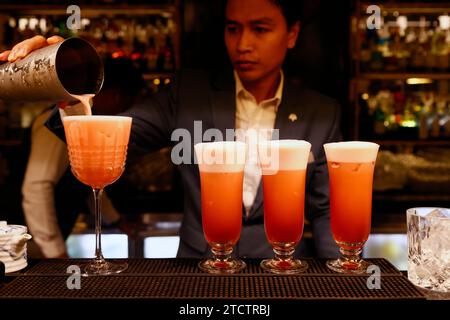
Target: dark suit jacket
195 96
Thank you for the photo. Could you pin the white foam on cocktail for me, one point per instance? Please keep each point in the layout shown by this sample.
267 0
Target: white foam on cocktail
351 151
277 155
221 156
96 118
111 133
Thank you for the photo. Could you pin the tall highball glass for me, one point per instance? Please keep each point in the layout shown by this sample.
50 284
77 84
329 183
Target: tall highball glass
283 164
221 166
350 165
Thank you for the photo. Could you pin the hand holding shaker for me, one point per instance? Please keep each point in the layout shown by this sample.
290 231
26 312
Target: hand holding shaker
55 73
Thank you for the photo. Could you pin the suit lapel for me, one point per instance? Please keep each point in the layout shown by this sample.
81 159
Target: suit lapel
289 119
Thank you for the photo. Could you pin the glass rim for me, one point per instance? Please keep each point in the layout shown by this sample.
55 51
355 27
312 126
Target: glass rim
285 143
414 211
351 145
221 156
351 151
96 117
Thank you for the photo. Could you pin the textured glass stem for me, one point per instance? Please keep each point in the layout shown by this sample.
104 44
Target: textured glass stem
352 256
98 224
222 254
284 254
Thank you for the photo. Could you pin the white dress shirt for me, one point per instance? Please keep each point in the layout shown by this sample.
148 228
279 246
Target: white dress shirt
254 122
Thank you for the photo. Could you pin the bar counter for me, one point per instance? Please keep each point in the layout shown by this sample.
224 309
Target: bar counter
178 282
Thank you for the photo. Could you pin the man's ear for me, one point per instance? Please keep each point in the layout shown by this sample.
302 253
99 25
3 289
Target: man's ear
293 32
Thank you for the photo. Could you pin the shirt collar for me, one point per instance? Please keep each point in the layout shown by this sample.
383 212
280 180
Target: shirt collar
240 90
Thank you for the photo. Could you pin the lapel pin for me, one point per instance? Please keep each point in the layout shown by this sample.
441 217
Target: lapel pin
293 117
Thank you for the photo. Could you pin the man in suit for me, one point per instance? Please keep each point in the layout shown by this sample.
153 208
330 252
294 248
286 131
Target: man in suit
254 95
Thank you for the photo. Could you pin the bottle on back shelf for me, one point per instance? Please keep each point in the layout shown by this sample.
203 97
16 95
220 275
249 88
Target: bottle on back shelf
433 122
445 123
418 58
151 55
440 49
169 57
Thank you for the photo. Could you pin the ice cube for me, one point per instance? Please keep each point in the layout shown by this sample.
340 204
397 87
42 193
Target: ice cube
438 213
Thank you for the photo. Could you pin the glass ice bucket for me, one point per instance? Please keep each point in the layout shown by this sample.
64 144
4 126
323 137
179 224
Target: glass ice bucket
429 248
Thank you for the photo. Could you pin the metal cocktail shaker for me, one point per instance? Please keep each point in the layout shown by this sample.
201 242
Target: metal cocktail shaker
53 73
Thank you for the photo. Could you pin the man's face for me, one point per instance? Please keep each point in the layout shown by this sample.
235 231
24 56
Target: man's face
257 38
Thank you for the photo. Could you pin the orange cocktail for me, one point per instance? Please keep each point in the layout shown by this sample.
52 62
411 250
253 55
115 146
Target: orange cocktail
283 164
97 148
222 206
351 200
284 199
221 166
351 167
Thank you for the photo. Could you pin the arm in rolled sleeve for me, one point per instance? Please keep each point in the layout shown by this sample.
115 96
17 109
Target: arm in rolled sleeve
319 197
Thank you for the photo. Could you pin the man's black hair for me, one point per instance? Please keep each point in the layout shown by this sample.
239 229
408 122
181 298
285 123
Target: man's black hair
291 10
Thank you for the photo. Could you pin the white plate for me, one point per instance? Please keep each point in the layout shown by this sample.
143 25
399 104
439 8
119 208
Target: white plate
15 266
11 230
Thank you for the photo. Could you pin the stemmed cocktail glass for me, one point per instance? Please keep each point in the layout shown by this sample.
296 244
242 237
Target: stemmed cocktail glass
97 148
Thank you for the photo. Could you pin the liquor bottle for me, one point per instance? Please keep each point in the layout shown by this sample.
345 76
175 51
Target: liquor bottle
439 49
151 54
169 57
437 129
445 123
423 125
430 57
418 58
368 47
379 58
379 118
433 122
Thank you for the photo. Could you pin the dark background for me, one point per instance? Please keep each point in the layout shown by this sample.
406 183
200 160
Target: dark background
320 59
